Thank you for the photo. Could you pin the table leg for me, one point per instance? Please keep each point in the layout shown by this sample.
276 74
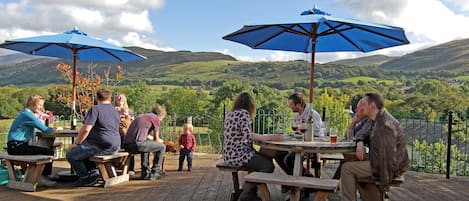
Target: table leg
298 167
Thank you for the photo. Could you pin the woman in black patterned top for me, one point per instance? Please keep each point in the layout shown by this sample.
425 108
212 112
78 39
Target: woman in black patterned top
238 138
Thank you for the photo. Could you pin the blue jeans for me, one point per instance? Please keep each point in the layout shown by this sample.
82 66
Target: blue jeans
147 146
78 157
182 156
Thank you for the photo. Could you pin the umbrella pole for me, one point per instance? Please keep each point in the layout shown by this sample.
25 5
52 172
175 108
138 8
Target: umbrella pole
74 90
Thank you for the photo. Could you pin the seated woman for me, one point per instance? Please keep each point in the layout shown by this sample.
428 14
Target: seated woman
22 130
237 143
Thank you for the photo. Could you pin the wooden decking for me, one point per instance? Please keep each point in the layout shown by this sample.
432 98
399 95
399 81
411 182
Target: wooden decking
205 182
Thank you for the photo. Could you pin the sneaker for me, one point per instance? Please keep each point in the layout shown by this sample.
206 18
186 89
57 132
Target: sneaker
89 180
131 173
156 176
44 181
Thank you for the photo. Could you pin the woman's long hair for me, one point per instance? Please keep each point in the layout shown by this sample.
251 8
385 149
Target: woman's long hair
245 101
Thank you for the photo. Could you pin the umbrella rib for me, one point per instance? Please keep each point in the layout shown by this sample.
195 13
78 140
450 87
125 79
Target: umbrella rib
383 35
273 35
243 32
113 55
345 37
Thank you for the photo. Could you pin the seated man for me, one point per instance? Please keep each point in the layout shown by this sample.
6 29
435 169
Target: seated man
388 156
302 110
99 135
136 141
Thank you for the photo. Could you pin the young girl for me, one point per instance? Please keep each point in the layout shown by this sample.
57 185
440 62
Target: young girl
187 146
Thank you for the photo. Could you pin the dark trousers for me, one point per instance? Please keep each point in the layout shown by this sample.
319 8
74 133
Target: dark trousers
182 155
23 148
285 160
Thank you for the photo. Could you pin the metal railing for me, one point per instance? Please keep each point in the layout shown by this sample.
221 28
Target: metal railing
427 140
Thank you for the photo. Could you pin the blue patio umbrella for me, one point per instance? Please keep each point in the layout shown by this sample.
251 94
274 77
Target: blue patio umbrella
73 44
317 31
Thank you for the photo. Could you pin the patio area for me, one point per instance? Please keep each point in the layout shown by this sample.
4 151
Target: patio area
205 182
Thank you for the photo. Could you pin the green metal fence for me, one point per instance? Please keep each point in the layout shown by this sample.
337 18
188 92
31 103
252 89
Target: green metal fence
427 140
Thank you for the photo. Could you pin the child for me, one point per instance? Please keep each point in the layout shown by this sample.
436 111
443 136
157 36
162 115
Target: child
187 146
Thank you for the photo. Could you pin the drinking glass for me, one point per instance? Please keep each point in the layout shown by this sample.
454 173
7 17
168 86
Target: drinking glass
333 134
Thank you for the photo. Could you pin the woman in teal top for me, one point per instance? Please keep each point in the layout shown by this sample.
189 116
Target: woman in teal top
22 130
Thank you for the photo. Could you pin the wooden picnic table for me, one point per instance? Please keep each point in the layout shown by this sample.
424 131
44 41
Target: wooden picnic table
47 139
299 147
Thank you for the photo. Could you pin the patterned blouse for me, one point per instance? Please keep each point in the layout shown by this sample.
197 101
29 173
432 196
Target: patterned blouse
237 142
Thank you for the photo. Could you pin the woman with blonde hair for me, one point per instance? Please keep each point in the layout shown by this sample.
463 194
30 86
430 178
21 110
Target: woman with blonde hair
22 131
238 138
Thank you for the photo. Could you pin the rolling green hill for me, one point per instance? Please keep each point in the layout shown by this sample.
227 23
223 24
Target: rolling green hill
451 56
210 68
364 61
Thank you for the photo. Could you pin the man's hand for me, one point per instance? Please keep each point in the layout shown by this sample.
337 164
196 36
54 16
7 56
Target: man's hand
349 133
182 146
159 140
360 151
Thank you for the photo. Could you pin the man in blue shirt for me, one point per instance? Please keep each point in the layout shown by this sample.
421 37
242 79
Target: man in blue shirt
99 135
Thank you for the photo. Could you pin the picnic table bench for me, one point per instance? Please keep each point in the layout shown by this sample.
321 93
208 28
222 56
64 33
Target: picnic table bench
222 166
322 186
31 166
108 170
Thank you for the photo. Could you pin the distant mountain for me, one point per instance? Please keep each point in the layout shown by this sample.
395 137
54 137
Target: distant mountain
451 56
16 58
21 70
373 60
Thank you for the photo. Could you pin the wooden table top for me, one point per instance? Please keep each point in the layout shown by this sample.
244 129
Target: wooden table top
318 145
59 133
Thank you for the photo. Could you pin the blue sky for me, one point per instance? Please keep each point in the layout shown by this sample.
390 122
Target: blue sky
200 25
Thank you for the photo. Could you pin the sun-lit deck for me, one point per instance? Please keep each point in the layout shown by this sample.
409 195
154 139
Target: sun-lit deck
205 182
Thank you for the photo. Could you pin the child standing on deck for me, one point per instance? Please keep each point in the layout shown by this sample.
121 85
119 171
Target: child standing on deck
187 146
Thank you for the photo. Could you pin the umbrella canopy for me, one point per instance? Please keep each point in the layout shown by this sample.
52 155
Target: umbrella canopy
73 44
317 31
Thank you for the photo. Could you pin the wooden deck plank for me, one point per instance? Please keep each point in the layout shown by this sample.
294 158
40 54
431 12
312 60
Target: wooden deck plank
185 186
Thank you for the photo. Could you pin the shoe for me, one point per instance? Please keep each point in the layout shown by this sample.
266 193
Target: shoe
89 180
44 181
180 169
189 169
131 173
156 176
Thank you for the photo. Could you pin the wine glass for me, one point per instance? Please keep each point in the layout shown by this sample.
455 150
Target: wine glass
303 127
294 126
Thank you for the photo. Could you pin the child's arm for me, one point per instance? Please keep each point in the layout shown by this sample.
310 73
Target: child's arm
180 142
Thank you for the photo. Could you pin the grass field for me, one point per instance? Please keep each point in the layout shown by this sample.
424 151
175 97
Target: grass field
367 79
461 78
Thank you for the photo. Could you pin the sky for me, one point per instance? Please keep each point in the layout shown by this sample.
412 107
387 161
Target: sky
199 25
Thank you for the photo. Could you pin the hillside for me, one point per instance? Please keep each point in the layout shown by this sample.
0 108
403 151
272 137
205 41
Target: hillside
210 68
451 56
364 61
20 69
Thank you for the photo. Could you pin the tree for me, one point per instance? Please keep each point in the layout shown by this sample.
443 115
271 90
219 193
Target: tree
138 97
185 101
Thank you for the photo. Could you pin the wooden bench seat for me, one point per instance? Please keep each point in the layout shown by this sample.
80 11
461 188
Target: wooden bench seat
322 186
369 185
32 167
222 166
331 157
109 172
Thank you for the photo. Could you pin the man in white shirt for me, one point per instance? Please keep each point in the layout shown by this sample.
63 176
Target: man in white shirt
298 105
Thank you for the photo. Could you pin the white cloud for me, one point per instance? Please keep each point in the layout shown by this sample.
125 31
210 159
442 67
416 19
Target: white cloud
136 21
135 39
112 20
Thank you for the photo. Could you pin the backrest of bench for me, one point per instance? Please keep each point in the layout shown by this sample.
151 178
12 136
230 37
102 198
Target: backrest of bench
99 158
297 181
27 158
